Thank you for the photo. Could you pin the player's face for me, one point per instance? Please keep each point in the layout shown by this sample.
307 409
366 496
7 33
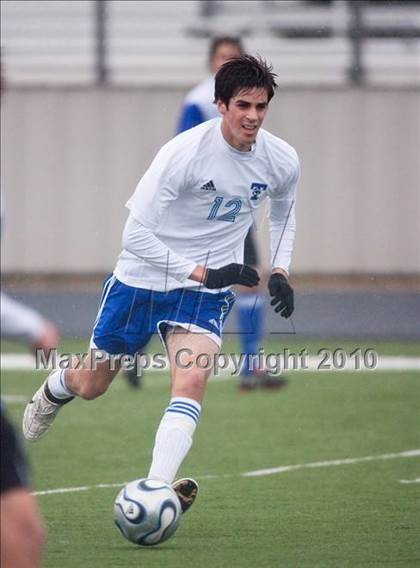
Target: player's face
243 117
223 53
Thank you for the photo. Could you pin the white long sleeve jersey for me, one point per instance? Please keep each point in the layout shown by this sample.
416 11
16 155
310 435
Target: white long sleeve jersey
196 203
18 321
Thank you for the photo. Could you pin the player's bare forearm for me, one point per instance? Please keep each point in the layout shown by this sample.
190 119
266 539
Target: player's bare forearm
198 274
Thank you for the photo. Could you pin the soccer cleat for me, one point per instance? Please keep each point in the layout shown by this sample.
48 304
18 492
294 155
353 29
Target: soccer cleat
267 381
248 383
39 414
261 380
186 490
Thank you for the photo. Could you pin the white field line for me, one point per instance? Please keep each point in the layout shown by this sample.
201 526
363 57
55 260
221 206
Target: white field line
82 488
14 398
348 461
26 362
17 362
407 481
257 473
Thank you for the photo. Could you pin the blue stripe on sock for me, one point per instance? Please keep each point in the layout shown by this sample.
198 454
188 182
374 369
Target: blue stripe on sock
183 412
185 406
185 409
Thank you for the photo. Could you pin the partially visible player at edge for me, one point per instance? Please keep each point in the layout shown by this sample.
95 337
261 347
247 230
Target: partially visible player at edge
199 106
22 533
182 241
22 530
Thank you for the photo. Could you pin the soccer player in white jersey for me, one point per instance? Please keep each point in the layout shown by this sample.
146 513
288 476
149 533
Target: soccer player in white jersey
182 250
197 107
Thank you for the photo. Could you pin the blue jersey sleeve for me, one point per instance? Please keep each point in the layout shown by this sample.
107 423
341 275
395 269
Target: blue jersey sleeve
191 116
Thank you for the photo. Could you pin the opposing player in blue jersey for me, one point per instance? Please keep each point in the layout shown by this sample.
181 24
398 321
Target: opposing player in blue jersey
182 251
199 106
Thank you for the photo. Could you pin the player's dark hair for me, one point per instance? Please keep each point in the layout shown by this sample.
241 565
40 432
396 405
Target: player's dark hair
216 42
244 72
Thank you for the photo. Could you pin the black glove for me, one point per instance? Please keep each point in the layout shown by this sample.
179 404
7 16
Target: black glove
282 294
231 274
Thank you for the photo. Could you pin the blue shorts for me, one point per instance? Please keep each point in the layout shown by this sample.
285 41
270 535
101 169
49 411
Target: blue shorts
129 316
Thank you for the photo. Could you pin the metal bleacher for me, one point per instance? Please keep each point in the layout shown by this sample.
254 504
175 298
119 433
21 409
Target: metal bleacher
48 42
148 42
165 42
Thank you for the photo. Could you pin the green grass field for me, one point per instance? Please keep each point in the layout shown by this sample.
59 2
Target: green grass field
355 515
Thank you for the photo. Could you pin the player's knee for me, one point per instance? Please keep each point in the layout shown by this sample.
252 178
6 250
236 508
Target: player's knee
91 389
192 385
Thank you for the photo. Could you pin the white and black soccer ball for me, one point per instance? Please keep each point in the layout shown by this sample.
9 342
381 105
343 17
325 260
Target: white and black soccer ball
147 511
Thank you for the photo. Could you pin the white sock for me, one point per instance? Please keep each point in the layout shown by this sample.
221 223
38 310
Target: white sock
57 385
174 437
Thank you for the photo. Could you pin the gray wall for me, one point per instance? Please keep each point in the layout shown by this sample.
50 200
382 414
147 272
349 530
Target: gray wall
70 159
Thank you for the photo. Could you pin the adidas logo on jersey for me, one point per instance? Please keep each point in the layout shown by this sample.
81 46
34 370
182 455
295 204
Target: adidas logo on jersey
209 186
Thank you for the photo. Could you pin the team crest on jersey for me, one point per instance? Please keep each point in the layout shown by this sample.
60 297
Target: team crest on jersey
257 190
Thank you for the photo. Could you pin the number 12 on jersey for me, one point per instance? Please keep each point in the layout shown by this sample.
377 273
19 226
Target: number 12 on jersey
233 207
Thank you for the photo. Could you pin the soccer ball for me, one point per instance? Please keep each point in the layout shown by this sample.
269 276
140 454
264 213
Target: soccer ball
147 511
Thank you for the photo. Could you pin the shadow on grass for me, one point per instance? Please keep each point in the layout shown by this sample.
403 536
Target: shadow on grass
146 549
